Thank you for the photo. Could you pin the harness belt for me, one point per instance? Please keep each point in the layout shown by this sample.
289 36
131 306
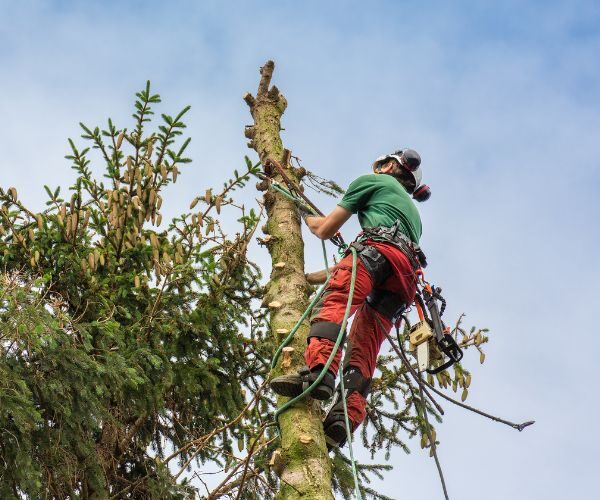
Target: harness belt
387 303
394 236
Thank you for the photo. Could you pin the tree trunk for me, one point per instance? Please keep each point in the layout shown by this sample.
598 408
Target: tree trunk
303 462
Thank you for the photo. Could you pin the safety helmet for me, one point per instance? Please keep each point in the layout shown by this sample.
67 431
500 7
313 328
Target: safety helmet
410 161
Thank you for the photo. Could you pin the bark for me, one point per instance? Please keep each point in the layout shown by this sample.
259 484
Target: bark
303 462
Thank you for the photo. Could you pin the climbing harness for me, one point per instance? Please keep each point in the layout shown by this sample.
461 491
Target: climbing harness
436 350
375 263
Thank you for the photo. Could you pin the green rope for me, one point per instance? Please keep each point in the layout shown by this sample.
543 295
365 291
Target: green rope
293 331
349 438
325 259
288 194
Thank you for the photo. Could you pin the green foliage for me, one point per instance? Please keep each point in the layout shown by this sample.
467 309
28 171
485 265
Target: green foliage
120 341
343 481
396 409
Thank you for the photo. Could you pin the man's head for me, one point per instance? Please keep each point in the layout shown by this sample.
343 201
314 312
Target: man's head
404 165
393 167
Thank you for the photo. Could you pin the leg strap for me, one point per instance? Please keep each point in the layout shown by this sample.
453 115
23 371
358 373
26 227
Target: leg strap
355 382
387 303
326 330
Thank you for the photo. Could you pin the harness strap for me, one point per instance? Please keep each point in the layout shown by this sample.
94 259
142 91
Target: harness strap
355 381
394 236
326 330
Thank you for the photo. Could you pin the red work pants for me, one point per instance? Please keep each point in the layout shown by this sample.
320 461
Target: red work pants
369 327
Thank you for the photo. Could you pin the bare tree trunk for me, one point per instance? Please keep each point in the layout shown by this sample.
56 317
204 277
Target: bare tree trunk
303 462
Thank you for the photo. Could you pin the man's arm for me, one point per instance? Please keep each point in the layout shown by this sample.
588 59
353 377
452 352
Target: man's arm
326 227
318 277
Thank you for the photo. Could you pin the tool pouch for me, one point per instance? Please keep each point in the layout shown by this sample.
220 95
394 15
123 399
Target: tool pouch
375 263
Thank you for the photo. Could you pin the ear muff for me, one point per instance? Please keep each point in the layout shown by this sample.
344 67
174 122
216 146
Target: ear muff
422 193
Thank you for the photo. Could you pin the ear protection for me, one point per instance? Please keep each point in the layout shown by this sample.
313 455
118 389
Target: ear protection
422 193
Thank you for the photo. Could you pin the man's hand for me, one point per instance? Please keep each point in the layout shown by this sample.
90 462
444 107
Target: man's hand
326 227
318 277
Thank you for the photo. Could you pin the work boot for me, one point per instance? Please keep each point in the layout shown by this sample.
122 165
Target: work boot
293 385
334 427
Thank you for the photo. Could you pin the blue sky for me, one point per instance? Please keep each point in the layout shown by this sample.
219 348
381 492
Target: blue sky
501 99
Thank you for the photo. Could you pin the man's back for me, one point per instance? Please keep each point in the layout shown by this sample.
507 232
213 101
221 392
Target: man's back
380 200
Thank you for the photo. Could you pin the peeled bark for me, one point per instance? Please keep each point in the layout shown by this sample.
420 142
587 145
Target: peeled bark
303 462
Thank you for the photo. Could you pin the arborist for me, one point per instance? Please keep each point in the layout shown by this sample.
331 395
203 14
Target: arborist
386 281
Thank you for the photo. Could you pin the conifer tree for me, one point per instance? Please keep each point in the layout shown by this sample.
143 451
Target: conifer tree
121 336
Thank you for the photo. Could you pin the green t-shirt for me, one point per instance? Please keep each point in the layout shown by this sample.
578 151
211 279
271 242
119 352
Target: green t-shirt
380 200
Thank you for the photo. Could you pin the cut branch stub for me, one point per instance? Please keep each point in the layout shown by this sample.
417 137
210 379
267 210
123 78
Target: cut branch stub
266 73
286 360
249 98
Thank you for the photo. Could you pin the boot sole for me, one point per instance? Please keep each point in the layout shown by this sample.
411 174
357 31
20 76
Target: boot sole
288 388
292 388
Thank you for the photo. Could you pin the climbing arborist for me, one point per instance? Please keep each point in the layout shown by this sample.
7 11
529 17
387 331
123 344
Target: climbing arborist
385 285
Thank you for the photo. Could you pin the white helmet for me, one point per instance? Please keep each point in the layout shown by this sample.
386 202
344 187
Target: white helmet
408 159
